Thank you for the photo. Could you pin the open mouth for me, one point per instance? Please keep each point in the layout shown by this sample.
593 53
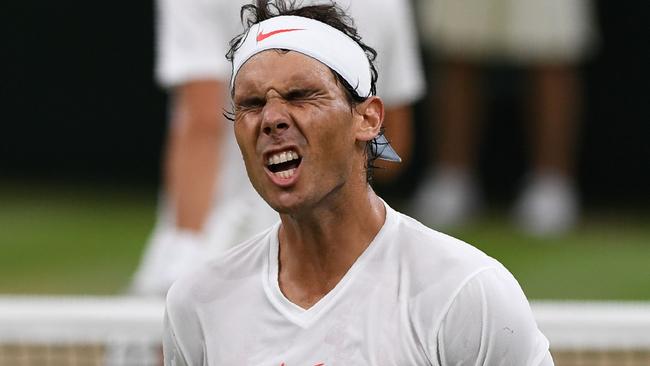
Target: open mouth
283 164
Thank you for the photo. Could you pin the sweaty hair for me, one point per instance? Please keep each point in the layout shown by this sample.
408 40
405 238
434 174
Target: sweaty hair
332 15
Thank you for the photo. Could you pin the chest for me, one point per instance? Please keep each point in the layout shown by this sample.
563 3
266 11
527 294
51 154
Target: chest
366 327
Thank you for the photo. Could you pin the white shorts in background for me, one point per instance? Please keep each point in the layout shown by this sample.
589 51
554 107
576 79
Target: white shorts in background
509 30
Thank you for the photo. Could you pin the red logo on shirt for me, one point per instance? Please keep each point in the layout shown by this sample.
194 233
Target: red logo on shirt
262 36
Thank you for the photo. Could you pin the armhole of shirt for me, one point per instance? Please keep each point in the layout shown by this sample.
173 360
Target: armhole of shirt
438 335
177 350
538 346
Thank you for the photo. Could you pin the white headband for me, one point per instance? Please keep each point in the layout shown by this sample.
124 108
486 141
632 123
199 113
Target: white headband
312 38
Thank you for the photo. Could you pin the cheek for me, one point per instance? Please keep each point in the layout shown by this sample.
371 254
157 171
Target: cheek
247 149
243 138
336 139
337 131
239 137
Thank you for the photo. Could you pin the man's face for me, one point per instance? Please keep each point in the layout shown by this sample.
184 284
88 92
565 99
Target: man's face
295 129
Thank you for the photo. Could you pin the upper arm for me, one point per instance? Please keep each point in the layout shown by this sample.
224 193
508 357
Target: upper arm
183 343
172 353
198 107
490 323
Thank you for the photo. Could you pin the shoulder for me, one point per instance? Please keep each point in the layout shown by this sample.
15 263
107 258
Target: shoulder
436 258
489 320
436 266
383 8
197 293
217 276
372 20
466 306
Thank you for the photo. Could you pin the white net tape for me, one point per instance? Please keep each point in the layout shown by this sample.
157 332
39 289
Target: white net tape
86 319
594 325
118 331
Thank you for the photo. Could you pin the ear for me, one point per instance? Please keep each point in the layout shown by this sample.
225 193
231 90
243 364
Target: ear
370 117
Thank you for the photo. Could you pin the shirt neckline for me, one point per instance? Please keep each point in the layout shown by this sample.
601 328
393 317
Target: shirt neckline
305 317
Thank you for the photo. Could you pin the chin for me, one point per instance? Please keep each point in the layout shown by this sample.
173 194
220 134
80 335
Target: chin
284 207
287 204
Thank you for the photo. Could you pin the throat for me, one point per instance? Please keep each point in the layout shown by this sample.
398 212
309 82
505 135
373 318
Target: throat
305 292
307 274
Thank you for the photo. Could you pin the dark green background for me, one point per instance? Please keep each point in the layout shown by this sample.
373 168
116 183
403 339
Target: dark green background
79 103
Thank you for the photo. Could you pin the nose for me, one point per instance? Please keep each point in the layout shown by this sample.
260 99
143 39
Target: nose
275 118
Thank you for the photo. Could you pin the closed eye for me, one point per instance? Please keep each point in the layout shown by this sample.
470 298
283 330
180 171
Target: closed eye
253 102
298 94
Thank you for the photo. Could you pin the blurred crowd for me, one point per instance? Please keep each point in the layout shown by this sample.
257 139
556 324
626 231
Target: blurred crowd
207 204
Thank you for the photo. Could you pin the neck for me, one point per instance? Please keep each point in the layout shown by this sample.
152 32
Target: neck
318 248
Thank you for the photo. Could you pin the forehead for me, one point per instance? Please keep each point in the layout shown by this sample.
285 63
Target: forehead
282 69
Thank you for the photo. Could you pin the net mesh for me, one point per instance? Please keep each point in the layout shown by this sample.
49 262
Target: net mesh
112 331
80 354
119 331
596 333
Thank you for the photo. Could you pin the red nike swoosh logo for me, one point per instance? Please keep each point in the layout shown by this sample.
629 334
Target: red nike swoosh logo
262 36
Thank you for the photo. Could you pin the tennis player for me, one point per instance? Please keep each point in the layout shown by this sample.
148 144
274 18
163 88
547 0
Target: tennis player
207 203
342 278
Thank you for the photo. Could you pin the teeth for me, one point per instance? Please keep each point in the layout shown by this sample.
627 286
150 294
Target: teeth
282 157
285 174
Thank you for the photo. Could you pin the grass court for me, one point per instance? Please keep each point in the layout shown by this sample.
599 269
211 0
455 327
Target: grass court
67 240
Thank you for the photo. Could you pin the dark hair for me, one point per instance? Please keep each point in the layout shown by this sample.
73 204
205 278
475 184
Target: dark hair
331 14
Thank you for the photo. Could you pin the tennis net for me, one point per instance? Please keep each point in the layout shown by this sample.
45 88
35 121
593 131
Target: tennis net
120 331
80 331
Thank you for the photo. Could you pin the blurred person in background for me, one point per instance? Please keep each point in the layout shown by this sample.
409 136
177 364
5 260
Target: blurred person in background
548 38
207 203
